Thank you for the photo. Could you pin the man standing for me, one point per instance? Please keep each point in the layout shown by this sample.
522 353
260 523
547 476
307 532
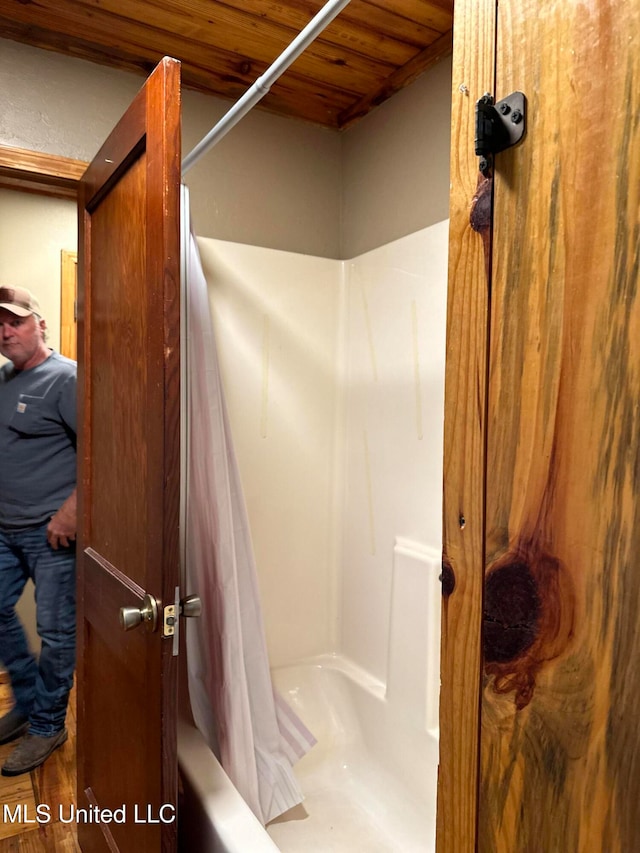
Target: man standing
37 528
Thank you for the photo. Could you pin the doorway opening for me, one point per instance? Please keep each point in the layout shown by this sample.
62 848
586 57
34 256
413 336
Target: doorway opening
44 188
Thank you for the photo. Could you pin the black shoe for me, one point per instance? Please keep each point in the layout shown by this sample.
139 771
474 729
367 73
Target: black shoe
31 752
12 726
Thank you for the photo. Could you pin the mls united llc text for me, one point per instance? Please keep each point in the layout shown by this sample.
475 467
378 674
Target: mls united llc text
42 813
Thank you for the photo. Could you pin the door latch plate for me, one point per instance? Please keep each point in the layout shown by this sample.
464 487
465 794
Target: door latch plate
169 628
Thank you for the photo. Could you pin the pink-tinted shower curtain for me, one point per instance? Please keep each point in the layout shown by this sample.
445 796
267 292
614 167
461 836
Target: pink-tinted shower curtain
255 734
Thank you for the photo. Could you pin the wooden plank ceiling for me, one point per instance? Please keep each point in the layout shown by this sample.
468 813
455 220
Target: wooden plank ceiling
369 52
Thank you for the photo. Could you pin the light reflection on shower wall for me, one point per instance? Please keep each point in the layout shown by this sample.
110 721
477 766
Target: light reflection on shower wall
334 373
394 406
275 319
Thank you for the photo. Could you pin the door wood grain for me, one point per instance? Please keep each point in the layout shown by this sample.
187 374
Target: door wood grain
129 399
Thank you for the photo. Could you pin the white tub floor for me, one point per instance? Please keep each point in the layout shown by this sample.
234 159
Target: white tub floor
352 803
349 808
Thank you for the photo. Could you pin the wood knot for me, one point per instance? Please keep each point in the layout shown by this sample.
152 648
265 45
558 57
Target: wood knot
447 578
511 612
528 616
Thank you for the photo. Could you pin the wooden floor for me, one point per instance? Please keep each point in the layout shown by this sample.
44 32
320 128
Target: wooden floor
51 786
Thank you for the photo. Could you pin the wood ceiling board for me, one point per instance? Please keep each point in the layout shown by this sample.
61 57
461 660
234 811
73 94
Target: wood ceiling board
240 24
371 50
321 105
356 21
320 62
434 14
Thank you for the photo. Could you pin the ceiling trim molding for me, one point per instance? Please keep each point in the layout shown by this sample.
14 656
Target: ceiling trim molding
34 171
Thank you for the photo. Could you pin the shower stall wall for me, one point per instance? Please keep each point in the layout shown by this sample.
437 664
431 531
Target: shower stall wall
333 375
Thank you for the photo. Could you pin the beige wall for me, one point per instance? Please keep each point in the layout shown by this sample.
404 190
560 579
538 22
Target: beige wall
272 182
395 165
33 231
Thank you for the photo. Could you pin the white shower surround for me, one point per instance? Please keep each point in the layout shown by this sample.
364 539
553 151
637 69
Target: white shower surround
334 378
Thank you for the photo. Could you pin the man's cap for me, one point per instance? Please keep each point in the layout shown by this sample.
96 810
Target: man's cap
19 301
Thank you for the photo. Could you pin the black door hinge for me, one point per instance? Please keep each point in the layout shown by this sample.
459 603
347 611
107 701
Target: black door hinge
498 126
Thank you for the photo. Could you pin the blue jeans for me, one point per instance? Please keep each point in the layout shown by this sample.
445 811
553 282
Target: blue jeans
41 688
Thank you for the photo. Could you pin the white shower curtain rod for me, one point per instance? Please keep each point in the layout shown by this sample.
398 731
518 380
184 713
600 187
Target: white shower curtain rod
262 85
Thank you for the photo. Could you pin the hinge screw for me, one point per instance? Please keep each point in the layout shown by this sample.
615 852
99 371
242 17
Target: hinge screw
516 116
505 109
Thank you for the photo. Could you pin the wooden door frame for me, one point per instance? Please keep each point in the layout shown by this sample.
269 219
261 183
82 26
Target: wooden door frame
68 302
465 420
45 174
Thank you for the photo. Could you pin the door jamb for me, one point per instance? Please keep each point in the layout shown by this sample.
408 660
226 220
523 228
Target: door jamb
68 303
465 424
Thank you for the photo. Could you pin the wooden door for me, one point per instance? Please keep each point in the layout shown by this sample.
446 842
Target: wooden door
128 353
541 690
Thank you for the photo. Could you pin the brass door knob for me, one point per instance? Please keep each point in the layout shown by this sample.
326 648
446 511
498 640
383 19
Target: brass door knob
131 617
190 605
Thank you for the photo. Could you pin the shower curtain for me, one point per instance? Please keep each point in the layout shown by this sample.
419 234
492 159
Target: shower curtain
246 724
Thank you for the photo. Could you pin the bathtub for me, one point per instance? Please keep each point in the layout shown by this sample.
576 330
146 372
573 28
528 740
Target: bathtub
369 782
